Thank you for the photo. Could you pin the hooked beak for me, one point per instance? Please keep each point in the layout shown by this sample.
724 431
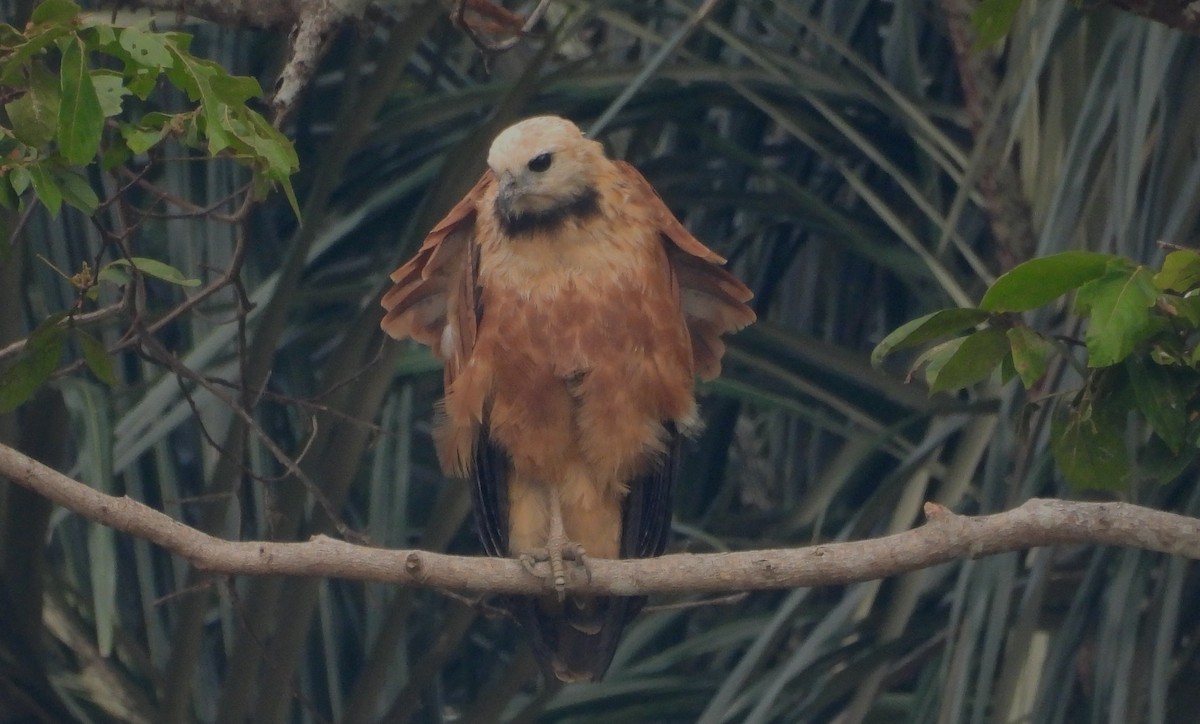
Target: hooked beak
506 195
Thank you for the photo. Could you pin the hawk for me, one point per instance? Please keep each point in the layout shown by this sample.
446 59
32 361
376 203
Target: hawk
573 312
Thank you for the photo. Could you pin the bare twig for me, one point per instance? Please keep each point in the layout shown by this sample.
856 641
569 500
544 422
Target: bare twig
188 209
729 599
945 537
161 355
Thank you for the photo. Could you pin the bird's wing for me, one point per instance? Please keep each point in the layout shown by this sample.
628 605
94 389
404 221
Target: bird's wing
489 495
433 299
713 300
646 510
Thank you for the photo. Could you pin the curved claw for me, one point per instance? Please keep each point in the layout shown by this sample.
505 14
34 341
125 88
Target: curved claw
529 562
556 554
575 552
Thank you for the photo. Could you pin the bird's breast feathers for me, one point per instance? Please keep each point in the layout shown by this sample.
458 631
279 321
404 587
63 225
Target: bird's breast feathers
581 343
594 290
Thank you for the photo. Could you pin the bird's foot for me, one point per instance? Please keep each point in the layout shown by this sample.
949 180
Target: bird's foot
555 553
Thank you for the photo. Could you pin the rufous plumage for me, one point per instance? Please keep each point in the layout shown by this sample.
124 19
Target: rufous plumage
573 312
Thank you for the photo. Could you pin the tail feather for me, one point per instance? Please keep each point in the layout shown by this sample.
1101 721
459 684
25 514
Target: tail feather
576 640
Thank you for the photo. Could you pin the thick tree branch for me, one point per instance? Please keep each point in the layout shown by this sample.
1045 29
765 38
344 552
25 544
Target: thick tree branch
261 14
945 537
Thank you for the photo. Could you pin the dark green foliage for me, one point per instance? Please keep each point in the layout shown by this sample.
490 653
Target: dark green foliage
825 148
993 19
64 97
1131 317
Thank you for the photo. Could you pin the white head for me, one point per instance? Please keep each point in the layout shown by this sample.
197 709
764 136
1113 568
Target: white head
546 171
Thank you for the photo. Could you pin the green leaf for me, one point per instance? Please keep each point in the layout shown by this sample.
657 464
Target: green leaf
110 89
1089 446
1163 465
1118 309
34 115
270 145
14 64
993 19
215 89
96 357
1041 281
142 82
9 200
1161 394
181 42
1180 272
234 90
1030 354
115 154
973 361
118 275
106 35
290 194
156 269
39 360
20 178
191 135
80 120
936 356
45 187
258 138
141 139
76 190
933 326
1168 350
147 49
1187 309
54 11
29 122
1008 369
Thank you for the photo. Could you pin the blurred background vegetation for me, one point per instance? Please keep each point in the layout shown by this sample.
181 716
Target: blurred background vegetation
858 162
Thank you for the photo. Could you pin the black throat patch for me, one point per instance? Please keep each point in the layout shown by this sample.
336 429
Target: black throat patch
583 206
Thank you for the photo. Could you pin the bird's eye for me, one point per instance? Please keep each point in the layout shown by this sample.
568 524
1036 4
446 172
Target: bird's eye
540 162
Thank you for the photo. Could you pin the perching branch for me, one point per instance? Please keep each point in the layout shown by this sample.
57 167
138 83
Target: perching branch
945 537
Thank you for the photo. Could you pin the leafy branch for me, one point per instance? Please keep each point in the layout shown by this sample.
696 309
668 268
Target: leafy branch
64 91
77 92
1141 358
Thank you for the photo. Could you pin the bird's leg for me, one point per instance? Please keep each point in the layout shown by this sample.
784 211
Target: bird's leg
556 542
557 550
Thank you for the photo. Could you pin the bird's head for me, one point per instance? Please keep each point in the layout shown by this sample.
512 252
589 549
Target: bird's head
546 172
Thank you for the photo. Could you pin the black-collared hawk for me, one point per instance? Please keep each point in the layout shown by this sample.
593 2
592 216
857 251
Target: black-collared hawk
573 312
